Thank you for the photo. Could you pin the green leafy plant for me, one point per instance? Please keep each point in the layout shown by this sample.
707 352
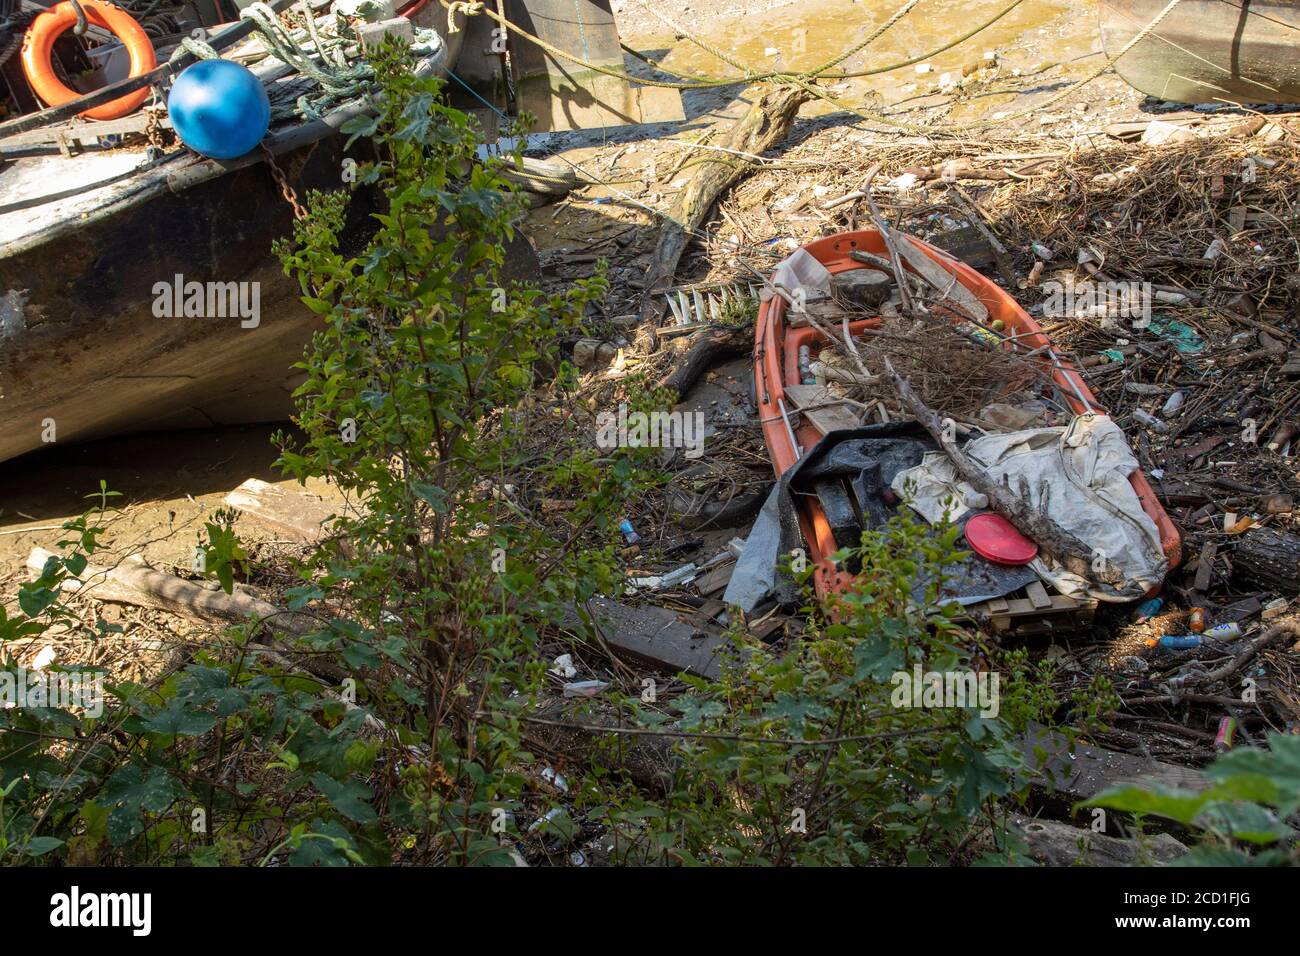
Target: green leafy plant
1245 815
396 737
421 400
806 756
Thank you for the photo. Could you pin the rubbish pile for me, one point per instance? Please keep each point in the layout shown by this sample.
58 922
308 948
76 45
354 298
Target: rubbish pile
1158 270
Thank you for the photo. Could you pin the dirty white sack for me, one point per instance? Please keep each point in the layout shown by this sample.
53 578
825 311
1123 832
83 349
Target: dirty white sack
1077 475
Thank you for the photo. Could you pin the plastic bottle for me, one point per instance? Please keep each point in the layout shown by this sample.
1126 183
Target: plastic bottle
1227 727
1224 632
1149 420
1179 642
805 366
629 535
1149 608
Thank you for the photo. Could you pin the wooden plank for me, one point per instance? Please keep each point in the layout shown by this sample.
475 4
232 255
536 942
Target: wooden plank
656 637
705 615
1037 595
715 579
1205 566
969 245
834 417
940 278
770 626
1022 616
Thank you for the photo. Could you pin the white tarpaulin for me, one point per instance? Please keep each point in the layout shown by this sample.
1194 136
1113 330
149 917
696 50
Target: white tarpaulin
1078 476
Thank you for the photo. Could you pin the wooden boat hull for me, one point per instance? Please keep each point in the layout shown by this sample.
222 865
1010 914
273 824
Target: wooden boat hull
86 357
776 365
92 359
1206 51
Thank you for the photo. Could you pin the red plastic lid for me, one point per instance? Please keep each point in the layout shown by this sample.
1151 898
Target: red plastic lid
993 537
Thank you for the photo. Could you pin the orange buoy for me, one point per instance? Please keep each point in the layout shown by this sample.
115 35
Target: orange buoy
38 47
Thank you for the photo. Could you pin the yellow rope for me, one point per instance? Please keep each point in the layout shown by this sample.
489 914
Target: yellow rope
933 129
750 76
706 47
467 7
901 12
807 79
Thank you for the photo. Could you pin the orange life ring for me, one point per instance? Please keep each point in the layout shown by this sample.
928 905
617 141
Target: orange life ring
38 46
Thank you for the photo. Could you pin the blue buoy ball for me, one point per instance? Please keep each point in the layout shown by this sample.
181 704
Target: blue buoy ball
219 109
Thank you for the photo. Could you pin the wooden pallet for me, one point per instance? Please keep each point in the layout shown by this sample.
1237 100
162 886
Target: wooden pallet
1036 613
825 410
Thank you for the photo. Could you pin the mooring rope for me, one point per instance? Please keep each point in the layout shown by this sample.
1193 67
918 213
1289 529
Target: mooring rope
317 58
807 79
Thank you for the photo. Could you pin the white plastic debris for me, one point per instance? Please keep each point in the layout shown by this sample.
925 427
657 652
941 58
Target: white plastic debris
1159 132
904 183
680 575
800 270
555 779
1078 476
585 688
564 667
545 818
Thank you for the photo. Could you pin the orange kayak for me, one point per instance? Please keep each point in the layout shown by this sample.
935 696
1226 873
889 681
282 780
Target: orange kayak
788 438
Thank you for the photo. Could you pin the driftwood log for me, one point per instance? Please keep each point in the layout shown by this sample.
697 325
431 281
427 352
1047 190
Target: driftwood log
134 582
1051 538
764 124
1269 558
1059 844
708 347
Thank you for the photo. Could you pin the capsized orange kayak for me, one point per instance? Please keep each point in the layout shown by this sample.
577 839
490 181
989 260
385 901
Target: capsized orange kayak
789 436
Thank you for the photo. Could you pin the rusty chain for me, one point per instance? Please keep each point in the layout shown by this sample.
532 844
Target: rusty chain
286 190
